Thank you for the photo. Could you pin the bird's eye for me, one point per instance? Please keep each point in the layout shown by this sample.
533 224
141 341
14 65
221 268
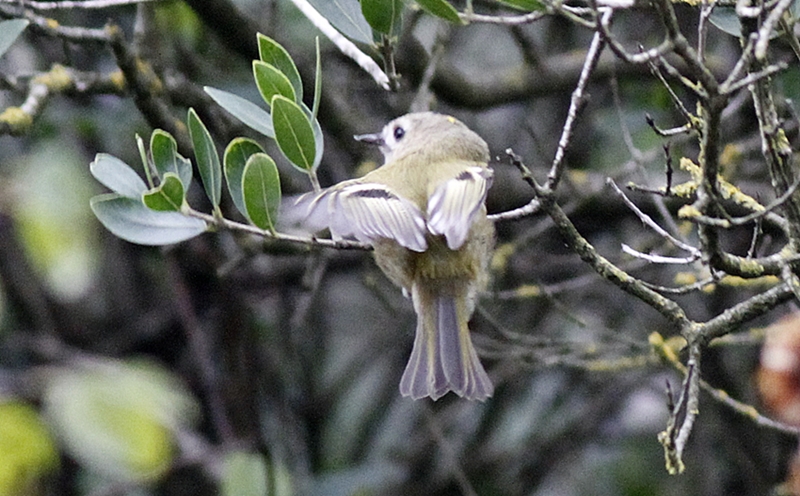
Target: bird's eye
399 132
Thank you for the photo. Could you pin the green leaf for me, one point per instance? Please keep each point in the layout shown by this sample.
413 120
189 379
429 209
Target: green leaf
346 16
10 31
249 113
166 158
293 133
132 221
317 82
261 189
117 176
271 82
725 19
526 5
442 9
271 52
205 153
27 444
235 159
168 196
244 474
118 419
383 15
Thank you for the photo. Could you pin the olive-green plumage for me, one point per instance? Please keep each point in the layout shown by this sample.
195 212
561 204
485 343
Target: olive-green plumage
423 212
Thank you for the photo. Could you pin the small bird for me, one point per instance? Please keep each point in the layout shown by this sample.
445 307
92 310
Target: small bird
423 212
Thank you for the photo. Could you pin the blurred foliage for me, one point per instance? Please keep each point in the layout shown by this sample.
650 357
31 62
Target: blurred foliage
27 449
230 364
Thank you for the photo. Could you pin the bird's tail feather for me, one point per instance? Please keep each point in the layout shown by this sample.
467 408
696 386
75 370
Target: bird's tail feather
443 358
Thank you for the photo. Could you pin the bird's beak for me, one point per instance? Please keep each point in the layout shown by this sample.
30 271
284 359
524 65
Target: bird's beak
373 139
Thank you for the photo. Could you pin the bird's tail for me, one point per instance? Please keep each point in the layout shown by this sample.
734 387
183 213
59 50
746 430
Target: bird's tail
443 358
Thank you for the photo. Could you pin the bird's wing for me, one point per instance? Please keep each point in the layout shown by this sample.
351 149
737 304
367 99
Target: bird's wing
454 203
366 211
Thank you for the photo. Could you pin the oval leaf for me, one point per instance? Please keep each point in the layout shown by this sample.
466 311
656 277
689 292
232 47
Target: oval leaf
271 52
235 158
383 15
168 196
261 189
441 9
130 220
249 113
9 31
271 82
164 151
205 153
117 176
725 18
293 133
346 16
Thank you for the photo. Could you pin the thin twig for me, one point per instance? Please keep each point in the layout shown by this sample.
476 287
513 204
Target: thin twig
343 44
48 27
768 26
659 259
648 221
339 244
507 20
83 4
756 76
576 103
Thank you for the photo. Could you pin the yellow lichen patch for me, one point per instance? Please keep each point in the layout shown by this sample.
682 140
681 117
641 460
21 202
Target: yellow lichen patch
17 120
689 212
618 364
736 281
690 167
578 177
749 266
52 24
501 255
685 278
528 291
156 86
667 349
684 190
782 141
56 79
118 79
730 154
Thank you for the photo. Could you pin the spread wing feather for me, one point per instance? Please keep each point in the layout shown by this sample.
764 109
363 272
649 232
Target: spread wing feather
453 204
366 211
